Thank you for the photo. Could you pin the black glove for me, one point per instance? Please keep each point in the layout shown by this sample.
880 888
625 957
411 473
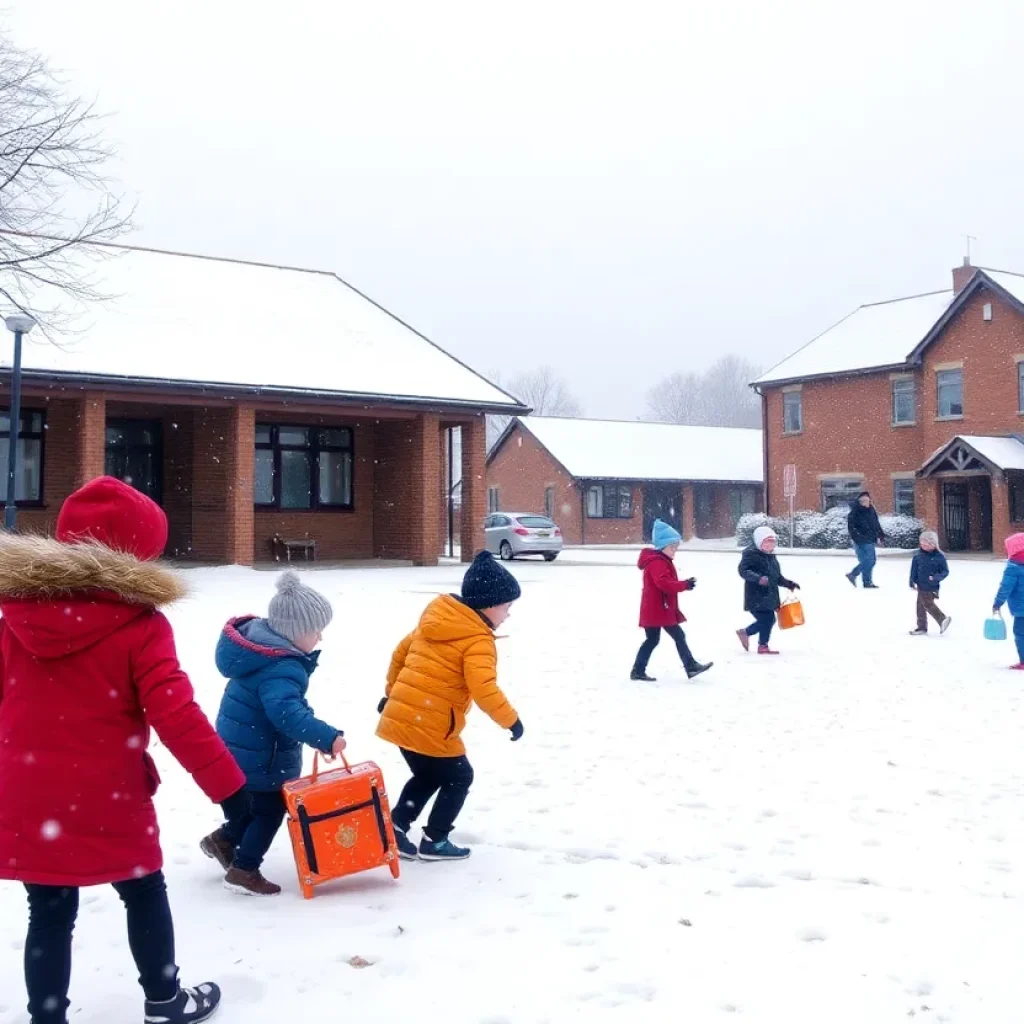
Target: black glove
380 706
691 583
794 586
238 805
516 730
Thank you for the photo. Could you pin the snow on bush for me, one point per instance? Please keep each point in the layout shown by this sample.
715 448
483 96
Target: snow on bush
826 530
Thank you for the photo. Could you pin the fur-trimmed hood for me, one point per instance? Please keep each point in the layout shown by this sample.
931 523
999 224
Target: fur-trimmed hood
62 598
39 568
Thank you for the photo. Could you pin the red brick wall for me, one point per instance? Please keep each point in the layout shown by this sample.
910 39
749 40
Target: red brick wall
847 421
474 487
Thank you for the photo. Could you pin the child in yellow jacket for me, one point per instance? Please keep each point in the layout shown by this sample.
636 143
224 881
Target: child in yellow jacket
448 663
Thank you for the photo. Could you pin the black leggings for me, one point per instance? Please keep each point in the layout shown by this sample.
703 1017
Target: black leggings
52 911
643 656
448 777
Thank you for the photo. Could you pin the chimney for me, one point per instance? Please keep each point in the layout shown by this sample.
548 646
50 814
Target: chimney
962 275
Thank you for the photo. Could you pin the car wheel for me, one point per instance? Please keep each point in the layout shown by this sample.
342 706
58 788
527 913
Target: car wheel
550 557
506 551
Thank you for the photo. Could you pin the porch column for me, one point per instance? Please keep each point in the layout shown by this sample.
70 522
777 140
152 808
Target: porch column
688 517
1002 527
223 468
90 449
474 487
425 490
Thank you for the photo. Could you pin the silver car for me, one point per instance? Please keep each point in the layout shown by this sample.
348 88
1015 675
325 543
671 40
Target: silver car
511 534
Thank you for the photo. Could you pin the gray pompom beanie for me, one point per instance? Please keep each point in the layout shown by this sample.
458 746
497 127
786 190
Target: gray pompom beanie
297 610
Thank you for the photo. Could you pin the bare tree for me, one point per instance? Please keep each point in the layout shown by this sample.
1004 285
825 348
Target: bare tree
719 397
55 199
542 390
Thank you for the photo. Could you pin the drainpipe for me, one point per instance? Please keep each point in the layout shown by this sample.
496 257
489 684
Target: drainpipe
766 492
583 512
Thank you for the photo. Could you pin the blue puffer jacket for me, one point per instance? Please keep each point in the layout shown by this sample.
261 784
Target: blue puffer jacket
927 570
1011 590
264 719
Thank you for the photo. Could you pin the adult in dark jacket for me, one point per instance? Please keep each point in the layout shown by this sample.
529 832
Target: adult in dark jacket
659 603
265 720
762 577
865 532
928 569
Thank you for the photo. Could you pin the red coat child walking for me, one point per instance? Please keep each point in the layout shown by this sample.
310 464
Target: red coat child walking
659 603
87 668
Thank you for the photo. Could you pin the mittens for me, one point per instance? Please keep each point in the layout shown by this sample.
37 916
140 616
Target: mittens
516 730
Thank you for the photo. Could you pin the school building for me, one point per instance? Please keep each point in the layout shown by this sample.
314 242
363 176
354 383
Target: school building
263 407
605 482
919 400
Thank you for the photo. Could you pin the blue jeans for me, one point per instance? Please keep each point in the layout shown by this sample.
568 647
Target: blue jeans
762 625
1018 635
52 911
866 559
253 835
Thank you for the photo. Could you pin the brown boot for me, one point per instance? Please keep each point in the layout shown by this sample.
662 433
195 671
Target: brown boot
249 883
743 638
217 848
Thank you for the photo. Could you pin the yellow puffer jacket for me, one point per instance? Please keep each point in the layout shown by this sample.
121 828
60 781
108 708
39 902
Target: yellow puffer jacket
437 673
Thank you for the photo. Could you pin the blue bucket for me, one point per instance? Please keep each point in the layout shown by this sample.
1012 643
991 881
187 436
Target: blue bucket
995 628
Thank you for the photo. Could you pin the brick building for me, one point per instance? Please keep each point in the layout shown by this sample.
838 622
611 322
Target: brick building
604 482
920 401
251 401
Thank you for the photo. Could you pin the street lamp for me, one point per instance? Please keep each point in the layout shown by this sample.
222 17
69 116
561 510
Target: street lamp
19 324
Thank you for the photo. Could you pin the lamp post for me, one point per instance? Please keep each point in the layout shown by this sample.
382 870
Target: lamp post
19 324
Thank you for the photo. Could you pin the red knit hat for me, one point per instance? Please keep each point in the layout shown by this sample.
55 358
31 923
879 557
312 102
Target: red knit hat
115 515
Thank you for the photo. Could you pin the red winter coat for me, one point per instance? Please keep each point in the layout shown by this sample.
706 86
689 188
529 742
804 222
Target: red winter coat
659 605
87 667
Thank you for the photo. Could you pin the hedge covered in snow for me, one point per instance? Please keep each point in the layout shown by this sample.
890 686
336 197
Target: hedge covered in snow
827 529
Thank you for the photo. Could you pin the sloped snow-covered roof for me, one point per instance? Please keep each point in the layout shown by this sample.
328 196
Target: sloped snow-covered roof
1004 452
172 317
613 450
872 337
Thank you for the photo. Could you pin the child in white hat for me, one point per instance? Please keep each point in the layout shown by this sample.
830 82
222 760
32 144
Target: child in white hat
762 578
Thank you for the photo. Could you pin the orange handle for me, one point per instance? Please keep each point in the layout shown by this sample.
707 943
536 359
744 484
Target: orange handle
316 764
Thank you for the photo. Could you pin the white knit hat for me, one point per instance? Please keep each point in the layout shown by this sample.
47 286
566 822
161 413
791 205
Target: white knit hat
297 610
761 534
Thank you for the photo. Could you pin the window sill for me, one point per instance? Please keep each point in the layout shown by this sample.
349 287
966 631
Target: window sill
948 419
792 433
325 510
608 519
908 423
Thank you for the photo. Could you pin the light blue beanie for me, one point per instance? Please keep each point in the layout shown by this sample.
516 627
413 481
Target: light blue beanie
662 535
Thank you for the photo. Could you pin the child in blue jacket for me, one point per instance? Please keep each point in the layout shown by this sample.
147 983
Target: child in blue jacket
927 571
1011 592
265 720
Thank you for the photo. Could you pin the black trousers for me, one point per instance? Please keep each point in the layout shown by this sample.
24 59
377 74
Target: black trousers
643 656
253 834
448 777
52 911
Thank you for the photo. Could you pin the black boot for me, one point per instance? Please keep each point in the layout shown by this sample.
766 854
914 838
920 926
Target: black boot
697 669
640 675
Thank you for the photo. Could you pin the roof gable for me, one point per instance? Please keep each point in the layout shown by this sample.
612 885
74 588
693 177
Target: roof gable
174 318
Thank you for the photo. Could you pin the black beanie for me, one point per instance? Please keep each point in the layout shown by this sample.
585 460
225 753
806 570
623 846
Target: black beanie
488 584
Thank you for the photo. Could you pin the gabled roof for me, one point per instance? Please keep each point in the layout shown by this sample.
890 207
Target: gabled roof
997 454
632 450
174 318
887 335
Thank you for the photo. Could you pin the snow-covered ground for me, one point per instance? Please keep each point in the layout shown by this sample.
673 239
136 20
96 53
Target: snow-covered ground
830 836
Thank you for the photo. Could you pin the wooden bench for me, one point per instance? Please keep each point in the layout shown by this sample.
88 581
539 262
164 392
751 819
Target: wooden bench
281 546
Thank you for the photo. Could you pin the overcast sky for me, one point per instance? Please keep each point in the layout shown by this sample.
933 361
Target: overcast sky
620 190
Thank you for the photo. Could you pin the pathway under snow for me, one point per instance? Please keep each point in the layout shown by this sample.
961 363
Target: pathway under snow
830 836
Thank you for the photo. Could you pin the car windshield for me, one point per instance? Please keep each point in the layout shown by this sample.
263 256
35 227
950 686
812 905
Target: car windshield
536 522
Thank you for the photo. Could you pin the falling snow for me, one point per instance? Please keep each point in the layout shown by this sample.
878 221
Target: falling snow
50 830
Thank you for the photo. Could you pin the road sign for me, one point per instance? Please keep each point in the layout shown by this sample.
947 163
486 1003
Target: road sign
789 482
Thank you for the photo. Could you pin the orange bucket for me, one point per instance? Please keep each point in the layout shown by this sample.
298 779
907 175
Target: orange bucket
791 614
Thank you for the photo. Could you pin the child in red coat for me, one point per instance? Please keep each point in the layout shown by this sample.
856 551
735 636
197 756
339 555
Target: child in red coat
87 667
659 605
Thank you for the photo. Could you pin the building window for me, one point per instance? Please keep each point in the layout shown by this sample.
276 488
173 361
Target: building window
904 401
742 501
549 502
792 412
134 454
28 483
493 502
1016 498
903 497
950 386
610 501
839 492
303 468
